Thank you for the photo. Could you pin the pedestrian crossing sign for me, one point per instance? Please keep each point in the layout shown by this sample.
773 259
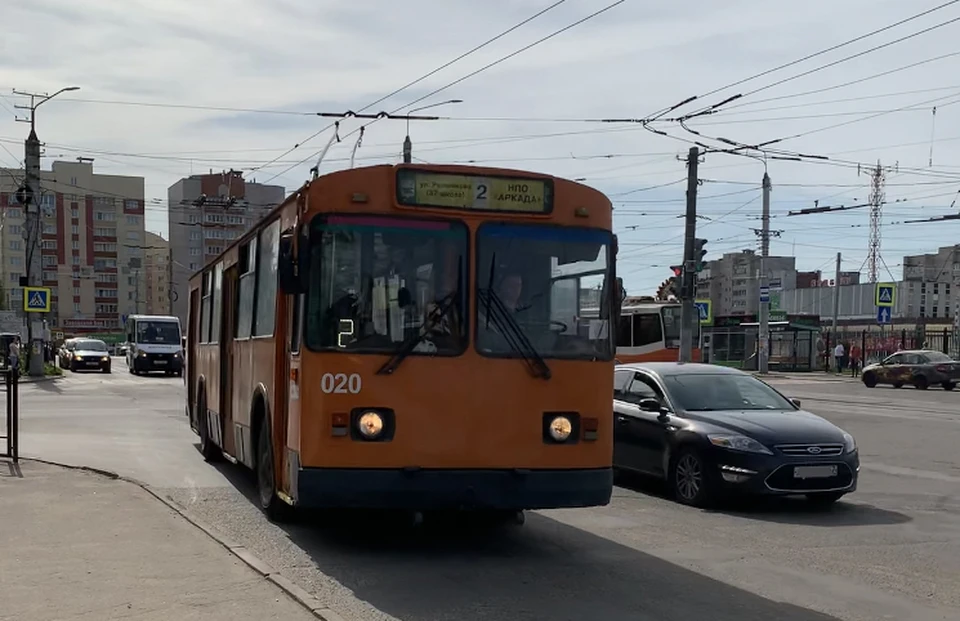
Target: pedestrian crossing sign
36 299
886 293
704 311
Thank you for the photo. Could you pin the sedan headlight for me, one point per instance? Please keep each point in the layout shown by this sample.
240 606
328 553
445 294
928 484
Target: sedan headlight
370 425
105 359
143 354
560 428
849 444
738 443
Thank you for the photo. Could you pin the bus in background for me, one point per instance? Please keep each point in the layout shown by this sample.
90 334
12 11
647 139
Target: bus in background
153 344
649 331
409 337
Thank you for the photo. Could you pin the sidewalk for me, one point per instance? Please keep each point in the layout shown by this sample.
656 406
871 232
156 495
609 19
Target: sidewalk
812 375
82 546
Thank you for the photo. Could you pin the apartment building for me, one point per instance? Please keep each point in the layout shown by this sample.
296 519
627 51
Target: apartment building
157 275
93 230
206 214
932 284
733 282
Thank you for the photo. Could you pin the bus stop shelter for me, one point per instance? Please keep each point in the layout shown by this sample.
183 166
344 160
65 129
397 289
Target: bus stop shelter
792 346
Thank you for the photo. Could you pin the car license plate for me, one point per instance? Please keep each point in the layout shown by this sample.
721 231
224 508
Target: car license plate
160 362
93 363
814 472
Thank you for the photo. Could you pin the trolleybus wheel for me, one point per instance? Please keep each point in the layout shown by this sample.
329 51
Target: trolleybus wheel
210 451
270 502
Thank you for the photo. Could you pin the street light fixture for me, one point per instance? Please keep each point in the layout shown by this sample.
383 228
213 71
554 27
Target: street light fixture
407 143
30 192
45 98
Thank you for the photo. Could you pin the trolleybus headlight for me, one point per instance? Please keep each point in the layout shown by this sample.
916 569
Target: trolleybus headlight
560 428
370 424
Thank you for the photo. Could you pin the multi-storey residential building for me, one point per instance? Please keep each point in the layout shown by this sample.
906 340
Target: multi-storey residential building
933 283
93 227
157 275
732 282
206 213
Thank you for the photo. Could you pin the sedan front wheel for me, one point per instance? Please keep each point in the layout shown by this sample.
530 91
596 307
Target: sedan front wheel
690 481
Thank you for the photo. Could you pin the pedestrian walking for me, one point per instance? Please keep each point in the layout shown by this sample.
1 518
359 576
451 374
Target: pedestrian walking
855 361
838 353
14 356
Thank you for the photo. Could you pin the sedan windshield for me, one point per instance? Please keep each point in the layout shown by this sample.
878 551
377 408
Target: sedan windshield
548 287
376 280
91 346
704 392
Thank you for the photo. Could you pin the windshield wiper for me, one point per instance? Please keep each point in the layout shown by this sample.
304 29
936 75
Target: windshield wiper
513 334
441 310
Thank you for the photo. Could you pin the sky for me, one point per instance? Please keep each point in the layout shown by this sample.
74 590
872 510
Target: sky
177 88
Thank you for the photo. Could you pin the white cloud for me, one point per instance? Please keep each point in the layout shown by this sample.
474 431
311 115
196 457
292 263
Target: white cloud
635 59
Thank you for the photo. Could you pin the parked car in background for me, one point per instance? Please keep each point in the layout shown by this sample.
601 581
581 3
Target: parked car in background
710 431
921 368
90 354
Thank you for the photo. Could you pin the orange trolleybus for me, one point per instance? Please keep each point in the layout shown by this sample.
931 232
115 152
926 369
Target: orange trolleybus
411 337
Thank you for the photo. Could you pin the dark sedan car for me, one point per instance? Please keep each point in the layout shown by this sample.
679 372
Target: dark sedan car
710 430
922 368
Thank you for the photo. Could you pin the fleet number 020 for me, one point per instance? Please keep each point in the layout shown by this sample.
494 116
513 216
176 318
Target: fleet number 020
341 383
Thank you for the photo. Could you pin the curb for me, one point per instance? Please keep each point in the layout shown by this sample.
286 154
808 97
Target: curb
298 594
45 378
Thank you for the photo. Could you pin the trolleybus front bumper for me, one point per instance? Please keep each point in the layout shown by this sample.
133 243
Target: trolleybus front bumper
422 489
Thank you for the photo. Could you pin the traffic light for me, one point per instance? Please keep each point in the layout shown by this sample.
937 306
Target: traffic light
699 252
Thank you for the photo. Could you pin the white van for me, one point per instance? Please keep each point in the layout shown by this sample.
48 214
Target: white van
154 344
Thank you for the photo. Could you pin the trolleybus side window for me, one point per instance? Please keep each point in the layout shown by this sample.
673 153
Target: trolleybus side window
248 261
206 303
646 329
268 249
216 306
625 331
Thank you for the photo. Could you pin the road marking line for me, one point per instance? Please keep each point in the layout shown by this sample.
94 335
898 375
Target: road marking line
909 472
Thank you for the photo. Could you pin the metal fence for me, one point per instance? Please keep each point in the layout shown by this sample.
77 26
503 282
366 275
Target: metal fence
878 344
12 429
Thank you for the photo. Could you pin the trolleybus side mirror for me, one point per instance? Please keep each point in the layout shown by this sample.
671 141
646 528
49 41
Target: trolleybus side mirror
621 290
288 274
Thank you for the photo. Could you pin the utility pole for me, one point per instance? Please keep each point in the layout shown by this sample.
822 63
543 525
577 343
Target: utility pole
836 298
689 318
34 225
170 281
763 341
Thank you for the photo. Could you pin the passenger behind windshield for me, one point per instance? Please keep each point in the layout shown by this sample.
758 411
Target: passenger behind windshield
543 291
158 332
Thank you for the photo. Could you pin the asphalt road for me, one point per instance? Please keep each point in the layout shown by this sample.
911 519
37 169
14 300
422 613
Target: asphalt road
890 551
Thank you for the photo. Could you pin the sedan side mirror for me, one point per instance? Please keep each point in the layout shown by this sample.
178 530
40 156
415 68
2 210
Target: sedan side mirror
796 402
650 405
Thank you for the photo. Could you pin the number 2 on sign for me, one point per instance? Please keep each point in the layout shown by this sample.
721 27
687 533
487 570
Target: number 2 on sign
341 383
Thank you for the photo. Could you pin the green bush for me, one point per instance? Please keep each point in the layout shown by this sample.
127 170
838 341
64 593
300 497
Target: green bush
51 369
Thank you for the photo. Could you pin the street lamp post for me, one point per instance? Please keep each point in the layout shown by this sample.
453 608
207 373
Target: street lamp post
407 143
30 192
